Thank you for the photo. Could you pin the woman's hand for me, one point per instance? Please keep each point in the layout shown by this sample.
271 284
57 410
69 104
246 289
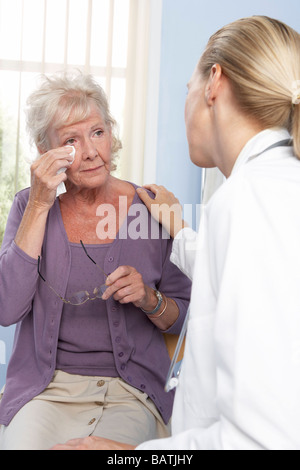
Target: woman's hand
165 208
44 177
44 183
126 285
92 443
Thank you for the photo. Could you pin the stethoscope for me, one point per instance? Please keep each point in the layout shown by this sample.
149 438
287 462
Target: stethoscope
173 377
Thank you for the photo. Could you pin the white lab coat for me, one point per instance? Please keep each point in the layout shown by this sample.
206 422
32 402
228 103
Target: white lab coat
240 382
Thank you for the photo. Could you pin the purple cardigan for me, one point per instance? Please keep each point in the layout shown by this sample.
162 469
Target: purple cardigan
140 353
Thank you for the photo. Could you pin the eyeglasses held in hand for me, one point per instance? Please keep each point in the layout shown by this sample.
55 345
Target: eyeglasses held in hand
173 377
79 298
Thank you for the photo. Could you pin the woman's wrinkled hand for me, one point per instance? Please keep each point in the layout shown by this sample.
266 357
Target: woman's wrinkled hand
165 208
126 286
44 177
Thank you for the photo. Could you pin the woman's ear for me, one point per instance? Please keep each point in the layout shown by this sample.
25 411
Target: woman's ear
213 84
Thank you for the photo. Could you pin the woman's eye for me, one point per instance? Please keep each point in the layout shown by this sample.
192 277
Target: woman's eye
70 142
98 133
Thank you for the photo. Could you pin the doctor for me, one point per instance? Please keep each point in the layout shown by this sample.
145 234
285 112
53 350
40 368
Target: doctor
240 382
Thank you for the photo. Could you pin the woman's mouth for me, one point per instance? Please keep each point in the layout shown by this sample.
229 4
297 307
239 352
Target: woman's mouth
91 170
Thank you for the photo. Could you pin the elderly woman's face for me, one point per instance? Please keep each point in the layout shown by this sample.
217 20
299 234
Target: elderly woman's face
93 142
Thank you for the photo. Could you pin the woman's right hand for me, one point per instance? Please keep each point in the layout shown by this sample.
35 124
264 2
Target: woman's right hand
44 177
44 184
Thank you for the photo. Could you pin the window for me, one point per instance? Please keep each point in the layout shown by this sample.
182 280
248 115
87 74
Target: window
107 38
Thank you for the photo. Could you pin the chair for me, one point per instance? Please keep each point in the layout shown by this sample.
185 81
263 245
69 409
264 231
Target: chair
171 343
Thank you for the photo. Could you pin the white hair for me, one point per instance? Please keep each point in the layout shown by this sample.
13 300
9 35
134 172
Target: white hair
62 97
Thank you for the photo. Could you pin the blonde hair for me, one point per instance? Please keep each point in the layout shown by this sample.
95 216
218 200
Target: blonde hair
64 97
261 57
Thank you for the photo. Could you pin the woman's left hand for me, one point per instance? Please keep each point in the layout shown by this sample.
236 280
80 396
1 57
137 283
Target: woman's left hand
92 443
126 285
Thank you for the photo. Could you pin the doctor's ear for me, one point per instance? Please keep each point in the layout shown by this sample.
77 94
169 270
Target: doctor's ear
213 84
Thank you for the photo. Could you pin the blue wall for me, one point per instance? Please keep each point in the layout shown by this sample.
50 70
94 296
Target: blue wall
186 28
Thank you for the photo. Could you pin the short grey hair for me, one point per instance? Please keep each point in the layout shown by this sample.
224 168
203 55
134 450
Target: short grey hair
62 96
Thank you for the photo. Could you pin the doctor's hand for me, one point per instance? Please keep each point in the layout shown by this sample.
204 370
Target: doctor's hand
92 443
165 208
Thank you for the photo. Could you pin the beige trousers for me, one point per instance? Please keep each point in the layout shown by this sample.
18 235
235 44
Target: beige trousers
74 406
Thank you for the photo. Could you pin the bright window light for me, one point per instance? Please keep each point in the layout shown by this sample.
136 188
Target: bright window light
48 36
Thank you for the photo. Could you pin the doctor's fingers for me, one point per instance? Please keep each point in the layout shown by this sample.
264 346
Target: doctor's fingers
151 204
162 195
145 198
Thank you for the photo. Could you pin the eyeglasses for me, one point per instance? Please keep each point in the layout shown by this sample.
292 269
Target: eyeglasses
79 298
174 371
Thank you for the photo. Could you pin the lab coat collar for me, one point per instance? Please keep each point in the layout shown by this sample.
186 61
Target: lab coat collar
258 144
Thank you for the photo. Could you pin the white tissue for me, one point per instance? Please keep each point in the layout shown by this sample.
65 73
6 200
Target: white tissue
61 189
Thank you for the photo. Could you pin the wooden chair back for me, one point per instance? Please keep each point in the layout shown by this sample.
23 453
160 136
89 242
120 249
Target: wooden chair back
171 343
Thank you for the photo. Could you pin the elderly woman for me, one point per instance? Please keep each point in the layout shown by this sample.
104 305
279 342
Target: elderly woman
89 355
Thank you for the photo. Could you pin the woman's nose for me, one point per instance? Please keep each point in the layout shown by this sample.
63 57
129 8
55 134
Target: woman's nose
89 150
